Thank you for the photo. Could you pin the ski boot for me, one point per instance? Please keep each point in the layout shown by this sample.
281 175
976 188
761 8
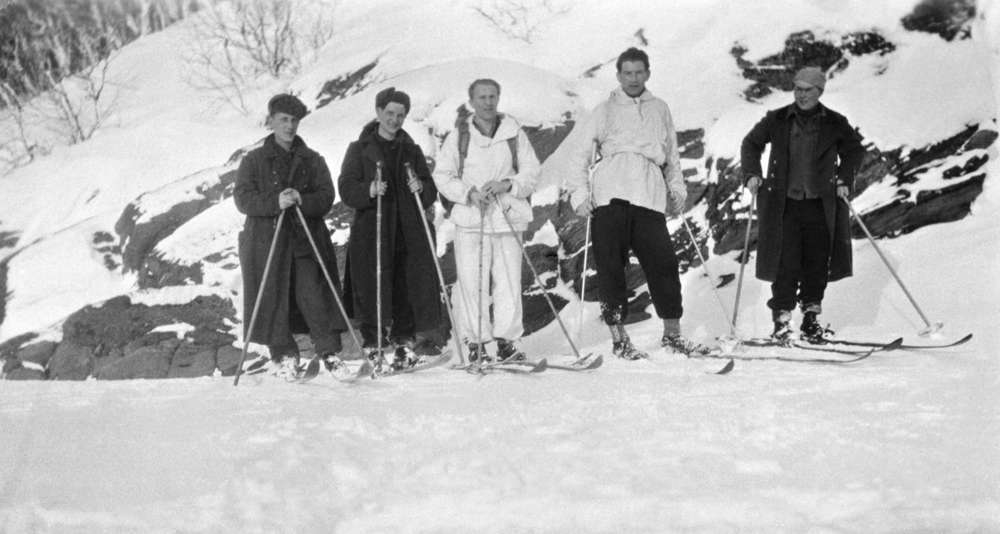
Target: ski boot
286 368
683 345
507 352
673 339
404 357
478 354
812 331
622 346
782 333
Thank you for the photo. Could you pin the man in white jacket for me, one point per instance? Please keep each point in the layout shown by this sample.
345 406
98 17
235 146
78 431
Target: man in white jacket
488 160
638 181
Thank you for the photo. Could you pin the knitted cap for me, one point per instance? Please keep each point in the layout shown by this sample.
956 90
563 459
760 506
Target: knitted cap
813 76
390 94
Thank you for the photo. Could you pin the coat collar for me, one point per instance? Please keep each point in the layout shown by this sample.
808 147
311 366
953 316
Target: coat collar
618 96
299 147
508 127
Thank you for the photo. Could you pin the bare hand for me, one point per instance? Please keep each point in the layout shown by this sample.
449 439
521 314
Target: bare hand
414 184
478 198
586 209
844 192
753 184
377 188
493 188
288 198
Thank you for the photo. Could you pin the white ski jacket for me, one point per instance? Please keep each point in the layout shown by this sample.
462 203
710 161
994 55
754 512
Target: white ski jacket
639 157
489 159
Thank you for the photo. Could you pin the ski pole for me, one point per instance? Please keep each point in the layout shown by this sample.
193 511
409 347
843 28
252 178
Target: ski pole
586 242
437 267
744 259
711 279
260 294
583 281
378 265
538 280
329 280
479 312
930 328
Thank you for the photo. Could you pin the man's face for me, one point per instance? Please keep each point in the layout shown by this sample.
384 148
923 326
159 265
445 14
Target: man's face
390 118
485 98
806 95
633 77
284 126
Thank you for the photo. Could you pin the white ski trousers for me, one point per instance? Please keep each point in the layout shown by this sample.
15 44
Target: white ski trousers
501 285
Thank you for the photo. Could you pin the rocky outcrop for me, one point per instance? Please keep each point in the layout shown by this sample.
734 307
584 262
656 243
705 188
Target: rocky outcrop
117 340
775 72
948 18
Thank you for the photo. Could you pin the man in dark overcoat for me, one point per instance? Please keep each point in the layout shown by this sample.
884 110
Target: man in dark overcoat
280 174
804 238
410 289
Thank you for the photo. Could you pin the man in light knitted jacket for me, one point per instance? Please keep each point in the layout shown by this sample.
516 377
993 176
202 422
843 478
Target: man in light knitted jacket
488 175
637 182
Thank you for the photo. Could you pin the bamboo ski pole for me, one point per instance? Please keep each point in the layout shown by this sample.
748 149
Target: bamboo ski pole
929 328
260 294
437 267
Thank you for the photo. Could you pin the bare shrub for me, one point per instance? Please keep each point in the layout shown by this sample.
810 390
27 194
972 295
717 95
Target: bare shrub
522 19
233 44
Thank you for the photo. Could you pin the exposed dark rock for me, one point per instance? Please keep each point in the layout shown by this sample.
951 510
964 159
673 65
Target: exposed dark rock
803 49
903 216
227 359
947 18
106 245
345 85
24 373
71 361
39 352
981 139
146 362
190 360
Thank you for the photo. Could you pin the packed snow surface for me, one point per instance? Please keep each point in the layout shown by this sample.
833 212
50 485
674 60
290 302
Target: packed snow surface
902 441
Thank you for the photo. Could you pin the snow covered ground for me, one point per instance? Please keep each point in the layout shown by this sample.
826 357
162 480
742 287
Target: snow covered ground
903 441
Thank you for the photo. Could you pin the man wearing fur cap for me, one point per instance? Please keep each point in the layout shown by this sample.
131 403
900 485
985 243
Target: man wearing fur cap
279 175
409 283
637 182
804 238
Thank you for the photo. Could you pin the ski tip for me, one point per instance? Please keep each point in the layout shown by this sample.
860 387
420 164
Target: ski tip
596 362
725 369
894 344
542 365
964 339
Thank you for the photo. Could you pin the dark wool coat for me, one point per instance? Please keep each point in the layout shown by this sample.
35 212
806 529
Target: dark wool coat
400 215
258 184
838 155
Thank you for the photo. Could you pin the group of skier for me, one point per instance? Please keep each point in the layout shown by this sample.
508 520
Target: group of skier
485 172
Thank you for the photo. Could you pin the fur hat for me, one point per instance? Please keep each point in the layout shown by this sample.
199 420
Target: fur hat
286 103
390 94
813 76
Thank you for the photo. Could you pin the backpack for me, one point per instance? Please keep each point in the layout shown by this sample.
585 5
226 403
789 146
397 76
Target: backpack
462 127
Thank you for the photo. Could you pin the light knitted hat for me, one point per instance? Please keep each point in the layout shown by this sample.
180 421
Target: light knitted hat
813 76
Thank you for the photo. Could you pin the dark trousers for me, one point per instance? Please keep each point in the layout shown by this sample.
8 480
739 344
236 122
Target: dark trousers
309 288
403 320
805 256
618 228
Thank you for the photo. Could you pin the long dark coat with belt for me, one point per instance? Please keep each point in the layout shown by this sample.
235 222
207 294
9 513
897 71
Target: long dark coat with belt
399 212
258 184
838 155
